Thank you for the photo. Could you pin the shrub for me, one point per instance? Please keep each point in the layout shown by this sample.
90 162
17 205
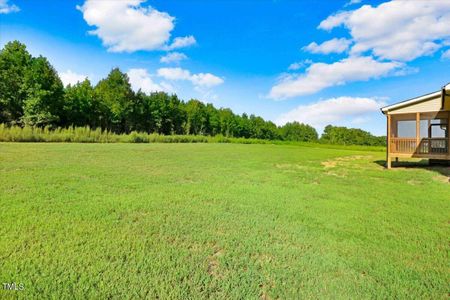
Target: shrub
88 135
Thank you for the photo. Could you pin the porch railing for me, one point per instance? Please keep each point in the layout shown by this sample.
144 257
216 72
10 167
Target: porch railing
403 145
426 146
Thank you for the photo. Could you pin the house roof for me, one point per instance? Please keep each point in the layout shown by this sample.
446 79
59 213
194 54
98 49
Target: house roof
419 99
415 100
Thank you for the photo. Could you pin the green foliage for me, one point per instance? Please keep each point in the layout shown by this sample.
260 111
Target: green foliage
298 132
350 136
32 94
47 134
196 118
15 62
44 94
114 93
219 221
80 105
88 135
30 90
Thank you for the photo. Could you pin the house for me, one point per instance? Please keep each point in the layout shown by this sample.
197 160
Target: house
419 127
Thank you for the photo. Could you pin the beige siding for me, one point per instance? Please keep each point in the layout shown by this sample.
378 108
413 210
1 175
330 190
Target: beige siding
433 104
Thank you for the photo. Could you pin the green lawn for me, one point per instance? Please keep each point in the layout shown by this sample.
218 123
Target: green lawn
222 221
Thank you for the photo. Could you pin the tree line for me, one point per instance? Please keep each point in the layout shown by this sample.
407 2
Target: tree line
31 93
350 136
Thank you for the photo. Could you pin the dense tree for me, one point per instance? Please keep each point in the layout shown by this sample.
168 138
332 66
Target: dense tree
298 132
30 89
15 61
114 94
166 113
213 120
196 119
243 125
227 121
261 129
44 94
350 136
80 107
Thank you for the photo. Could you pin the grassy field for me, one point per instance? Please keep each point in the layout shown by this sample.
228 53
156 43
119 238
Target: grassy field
222 221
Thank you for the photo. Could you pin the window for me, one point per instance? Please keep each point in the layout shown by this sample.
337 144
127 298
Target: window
439 128
424 129
406 129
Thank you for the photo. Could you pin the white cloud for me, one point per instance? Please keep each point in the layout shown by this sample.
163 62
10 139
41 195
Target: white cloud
69 77
173 57
295 66
446 54
205 80
321 75
405 70
181 42
6 8
332 46
334 111
126 26
141 79
397 30
352 2
334 20
298 65
174 73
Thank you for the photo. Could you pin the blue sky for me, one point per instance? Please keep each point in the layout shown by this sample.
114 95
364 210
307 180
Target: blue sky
317 62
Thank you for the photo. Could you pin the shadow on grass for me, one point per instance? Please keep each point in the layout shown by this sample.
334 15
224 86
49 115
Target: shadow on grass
443 168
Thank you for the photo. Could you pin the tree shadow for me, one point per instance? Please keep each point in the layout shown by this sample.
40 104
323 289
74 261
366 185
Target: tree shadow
443 168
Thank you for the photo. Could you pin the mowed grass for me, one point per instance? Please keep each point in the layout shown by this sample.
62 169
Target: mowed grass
221 221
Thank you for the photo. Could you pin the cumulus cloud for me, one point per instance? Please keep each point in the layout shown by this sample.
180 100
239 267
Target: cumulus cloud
403 30
173 57
181 42
141 79
321 75
295 66
300 64
352 2
334 20
127 26
6 8
332 46
205 80
69 77
335 111
174 73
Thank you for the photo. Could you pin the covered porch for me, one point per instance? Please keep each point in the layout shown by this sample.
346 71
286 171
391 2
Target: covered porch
418 134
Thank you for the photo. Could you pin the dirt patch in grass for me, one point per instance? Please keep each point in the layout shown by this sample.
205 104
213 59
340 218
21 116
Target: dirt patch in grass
332 165
340 160
442 178
264 295
329 164
213 263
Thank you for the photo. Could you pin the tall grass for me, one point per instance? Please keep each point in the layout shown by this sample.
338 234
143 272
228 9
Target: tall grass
71 134
89 135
